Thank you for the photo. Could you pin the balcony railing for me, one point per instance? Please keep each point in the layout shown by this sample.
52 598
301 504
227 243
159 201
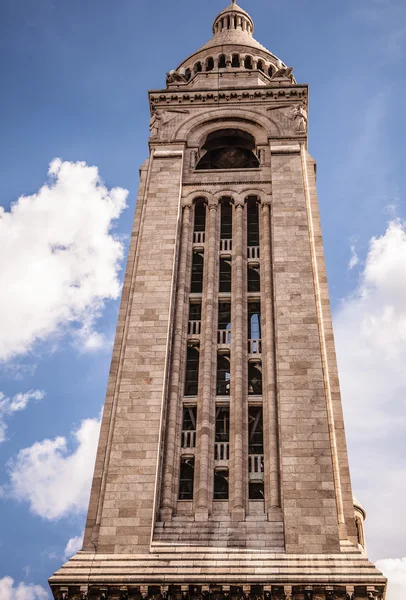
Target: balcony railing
253 252
198 237
221 451
226 245
256 464
224 336
254 347
194 328
188 439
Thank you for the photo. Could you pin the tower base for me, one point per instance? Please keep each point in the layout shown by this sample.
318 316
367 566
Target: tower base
198 573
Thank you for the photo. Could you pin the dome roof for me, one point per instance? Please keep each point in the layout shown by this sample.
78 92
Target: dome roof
357 504
233 26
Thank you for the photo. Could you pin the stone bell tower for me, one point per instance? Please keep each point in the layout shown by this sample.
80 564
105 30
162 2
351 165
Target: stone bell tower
222 468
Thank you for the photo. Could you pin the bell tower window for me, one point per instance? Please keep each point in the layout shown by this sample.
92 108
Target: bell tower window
228 149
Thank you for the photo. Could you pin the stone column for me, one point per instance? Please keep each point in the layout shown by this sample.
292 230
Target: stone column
272 484
238 359
176 385
207 370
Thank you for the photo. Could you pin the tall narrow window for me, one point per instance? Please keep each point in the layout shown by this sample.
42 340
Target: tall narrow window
226 227
198 67
224 323
222 439
254 328
222 62
255 379
260 65
220 488
222 424
223 375
256 453
189 427
186 478
248 62
196 284
235 62
225 275
210 64
192 371
254 284
195 311
188 74
252 222
200 216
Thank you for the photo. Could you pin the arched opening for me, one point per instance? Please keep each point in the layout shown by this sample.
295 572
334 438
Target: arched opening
270 71
196 282
192 371
248 62
222 61
254 280
254 379
229 149
220 488
210 64
235 22
252 222
235 62
198 67
225 275
223 375
200 216
188 74
186 478
260 65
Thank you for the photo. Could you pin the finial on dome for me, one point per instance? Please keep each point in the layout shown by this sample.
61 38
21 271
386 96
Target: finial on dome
234 1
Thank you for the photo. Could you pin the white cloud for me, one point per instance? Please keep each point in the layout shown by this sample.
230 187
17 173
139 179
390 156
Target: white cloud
395 570
61 259
8 406
22 591
354 260
370 332
74 545
53 479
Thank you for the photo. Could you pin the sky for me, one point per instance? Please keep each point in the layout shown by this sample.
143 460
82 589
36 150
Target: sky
74 130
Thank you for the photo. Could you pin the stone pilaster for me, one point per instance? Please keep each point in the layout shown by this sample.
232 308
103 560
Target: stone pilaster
238 404
205 411
272 483
175 390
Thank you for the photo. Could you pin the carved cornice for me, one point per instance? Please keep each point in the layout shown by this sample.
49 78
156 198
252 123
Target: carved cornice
168 97
223 183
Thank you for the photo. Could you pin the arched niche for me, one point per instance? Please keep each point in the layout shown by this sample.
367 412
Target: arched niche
228 148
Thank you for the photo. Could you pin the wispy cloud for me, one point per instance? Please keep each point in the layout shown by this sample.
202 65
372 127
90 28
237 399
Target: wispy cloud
9 406
22 591
53 478
74 545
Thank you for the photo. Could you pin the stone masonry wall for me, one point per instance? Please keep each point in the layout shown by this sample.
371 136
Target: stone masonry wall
127 499
307 483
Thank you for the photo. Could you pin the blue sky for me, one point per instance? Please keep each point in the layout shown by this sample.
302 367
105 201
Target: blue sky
75 77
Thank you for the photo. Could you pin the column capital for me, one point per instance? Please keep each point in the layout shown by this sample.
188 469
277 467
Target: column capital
266 202
239 203
213 204
187 203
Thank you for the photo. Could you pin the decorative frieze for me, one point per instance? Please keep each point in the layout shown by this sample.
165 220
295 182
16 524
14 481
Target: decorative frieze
217 592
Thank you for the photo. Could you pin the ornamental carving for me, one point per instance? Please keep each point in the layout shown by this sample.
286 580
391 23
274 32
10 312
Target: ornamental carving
160 119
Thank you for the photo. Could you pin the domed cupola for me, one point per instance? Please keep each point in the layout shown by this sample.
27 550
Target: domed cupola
233 18
231 51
